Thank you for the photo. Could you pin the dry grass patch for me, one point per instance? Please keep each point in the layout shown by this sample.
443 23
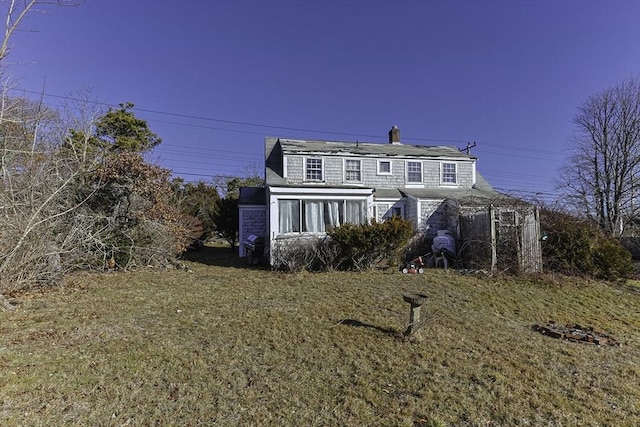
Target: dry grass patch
225 345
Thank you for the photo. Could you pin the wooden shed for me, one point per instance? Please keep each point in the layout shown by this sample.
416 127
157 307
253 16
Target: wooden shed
500 237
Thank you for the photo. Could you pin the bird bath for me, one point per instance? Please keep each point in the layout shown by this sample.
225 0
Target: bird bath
416 300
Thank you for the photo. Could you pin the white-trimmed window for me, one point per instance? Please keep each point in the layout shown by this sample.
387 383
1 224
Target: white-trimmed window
449 173
352 170
384 167
319 216
414 172
313 169
289 220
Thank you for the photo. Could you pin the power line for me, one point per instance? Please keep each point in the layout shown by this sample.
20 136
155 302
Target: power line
190 153
233 122
268 126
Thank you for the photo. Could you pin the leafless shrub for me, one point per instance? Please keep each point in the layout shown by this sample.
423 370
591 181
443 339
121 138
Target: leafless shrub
294 255
326 254
34 185
66 206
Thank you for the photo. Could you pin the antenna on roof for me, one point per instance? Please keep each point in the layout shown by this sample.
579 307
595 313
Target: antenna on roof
468 148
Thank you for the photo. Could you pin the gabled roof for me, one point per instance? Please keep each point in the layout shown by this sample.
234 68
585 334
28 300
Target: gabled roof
300 146
275 148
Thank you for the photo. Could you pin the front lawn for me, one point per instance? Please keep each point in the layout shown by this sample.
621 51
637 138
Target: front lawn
226 345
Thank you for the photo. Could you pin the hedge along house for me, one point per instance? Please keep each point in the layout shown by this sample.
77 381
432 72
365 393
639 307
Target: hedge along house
312 186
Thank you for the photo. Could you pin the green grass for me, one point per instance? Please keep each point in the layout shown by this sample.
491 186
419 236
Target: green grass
226 345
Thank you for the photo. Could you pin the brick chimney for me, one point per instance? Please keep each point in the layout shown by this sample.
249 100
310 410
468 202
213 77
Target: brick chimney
394 135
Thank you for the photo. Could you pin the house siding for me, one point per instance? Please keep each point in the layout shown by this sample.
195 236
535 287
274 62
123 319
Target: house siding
466 174
295 169
253 220
333 171
411 211
371 177
432 171
434 217
430 204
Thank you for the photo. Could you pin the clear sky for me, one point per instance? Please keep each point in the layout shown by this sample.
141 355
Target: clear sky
214 77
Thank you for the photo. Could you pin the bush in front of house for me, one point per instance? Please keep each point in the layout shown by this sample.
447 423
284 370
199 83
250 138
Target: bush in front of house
578 246
295 254
364 246
348 247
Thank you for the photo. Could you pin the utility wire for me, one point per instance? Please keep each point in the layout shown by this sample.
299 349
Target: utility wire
268 126
189 152
234 122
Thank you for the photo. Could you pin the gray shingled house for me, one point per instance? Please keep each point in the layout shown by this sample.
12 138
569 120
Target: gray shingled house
312 186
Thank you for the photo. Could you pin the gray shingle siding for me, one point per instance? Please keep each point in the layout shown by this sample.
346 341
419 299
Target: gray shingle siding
411 210
334 172
295 169
434 217
395 180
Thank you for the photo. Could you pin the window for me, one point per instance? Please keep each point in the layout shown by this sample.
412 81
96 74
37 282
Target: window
314 169
384 167
352 170
289 220
354 213
313 216
449 173
319 216
414 172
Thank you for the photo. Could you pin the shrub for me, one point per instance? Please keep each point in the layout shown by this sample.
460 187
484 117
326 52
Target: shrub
295 254
348 247
131 220
577 246
364 246
612 261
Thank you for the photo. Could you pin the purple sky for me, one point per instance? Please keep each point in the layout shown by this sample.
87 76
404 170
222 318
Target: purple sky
225 74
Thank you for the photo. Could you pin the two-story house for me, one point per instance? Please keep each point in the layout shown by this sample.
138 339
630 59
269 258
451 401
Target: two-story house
312 186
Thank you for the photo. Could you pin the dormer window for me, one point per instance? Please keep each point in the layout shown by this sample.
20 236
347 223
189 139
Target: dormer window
352 170
449 173
414 172
384 167
313 169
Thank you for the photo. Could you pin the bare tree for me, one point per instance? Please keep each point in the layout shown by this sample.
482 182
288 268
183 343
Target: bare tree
15 11
35 180
601 177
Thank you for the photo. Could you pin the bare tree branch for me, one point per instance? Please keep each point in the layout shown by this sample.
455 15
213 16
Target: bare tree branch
17 11
601 177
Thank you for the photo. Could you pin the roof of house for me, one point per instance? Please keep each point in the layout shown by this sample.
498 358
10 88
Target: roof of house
276 147
252 196
293 146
